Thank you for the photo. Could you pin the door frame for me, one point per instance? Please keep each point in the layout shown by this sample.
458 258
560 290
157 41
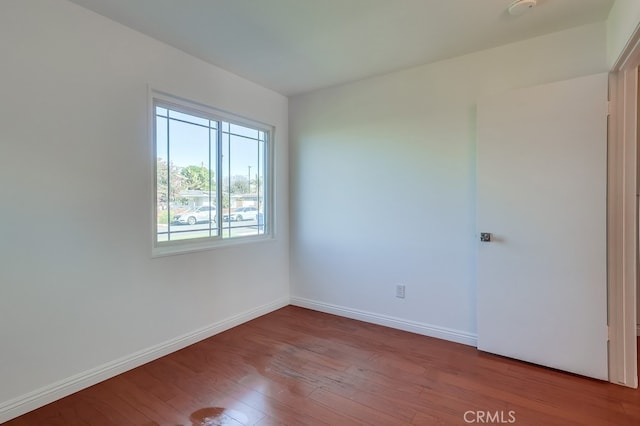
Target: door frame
622 214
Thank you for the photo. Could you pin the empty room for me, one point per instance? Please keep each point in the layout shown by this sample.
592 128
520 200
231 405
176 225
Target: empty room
243 212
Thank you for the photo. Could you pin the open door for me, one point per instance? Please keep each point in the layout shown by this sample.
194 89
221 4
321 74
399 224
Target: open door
542 181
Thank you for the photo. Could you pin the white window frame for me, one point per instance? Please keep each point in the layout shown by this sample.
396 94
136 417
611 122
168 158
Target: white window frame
166 248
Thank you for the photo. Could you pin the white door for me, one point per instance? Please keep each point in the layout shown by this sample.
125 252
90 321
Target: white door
541 172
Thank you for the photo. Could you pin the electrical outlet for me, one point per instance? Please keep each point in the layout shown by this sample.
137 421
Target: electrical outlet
400 290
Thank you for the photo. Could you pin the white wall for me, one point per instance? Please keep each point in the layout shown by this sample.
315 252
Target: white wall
383 182
623 20
78 286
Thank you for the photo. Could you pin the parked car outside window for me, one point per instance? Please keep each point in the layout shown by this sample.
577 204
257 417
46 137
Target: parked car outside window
241 213
199 214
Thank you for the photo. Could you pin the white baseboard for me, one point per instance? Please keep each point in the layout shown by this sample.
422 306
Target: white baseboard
39 397
389 321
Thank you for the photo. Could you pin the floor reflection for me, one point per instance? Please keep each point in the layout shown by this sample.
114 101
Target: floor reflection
217 416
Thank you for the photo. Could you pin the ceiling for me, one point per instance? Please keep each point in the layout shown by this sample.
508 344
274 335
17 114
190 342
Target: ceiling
296 46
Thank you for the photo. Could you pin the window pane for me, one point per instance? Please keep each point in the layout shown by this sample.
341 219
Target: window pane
243 167
243 131
162 178
189 118
213 177
260 190
185 179
189 150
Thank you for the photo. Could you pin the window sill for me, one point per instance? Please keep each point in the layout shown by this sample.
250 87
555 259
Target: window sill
185 247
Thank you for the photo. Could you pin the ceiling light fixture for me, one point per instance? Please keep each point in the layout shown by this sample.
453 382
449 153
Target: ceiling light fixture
521 6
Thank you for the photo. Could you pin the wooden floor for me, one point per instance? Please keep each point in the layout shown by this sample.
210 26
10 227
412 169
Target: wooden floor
296 367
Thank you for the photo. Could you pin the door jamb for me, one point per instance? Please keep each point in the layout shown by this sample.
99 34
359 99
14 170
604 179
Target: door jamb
622 214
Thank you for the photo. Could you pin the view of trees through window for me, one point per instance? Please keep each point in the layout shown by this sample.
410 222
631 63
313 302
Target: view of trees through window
210 176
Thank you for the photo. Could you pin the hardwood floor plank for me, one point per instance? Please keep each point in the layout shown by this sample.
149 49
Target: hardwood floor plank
156 410
300 367
355 410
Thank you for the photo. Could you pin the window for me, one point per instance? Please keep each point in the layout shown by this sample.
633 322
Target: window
211 177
